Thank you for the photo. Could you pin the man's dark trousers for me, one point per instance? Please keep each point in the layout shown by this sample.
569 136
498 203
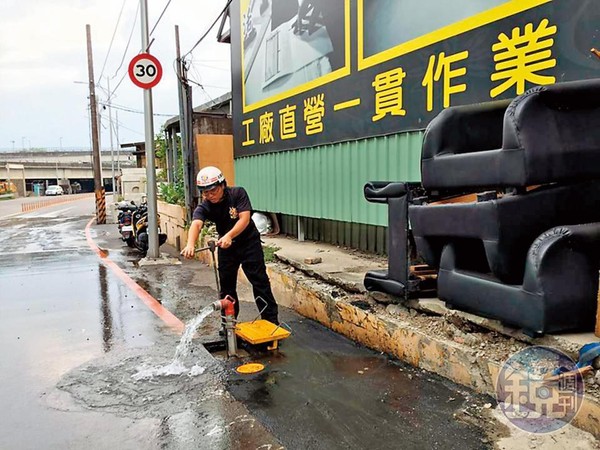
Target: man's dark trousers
250 256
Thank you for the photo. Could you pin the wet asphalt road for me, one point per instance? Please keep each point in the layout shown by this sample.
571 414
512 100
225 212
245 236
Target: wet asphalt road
74 334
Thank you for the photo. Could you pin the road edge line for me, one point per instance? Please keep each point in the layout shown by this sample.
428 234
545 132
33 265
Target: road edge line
154 305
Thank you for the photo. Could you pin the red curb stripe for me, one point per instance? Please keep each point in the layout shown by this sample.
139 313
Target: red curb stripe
154 305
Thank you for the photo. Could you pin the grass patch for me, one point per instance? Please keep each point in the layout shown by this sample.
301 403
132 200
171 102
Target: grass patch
269 251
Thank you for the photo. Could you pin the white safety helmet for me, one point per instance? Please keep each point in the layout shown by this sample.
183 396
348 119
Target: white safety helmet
209 177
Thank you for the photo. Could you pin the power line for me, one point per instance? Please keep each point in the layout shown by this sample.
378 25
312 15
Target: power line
210 28
160 17
223 88
118 84
194 70
210 99
211 67
135 111
130 129
112 40
128 42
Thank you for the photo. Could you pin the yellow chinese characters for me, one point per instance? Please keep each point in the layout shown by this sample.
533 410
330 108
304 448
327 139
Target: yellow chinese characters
287 122
247 141
520 57
444 68
314 110
266 128
388 94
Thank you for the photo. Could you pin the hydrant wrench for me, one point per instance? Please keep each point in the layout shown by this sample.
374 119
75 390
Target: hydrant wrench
212 245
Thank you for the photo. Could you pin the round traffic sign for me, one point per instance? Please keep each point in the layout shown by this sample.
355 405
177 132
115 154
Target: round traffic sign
145 71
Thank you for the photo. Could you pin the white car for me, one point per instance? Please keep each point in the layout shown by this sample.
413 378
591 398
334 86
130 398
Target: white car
54 190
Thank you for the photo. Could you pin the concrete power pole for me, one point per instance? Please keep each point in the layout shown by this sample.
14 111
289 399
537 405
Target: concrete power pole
186 132
112 152
153 250
98 188
118 152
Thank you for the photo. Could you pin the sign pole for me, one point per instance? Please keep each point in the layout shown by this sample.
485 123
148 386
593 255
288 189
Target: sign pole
153 250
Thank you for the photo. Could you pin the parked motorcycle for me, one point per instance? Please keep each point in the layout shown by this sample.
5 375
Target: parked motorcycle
140 229
133 226
125 221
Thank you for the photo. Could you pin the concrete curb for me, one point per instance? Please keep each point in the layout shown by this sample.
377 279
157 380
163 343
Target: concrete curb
398 337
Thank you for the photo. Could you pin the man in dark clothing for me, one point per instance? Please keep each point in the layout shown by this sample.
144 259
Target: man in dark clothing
239 240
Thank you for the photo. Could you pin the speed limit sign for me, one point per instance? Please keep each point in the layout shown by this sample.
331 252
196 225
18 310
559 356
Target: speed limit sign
145 71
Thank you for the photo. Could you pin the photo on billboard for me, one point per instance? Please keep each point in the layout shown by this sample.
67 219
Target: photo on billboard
391 28
291 45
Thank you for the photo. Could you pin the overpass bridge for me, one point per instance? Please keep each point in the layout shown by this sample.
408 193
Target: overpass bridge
35 170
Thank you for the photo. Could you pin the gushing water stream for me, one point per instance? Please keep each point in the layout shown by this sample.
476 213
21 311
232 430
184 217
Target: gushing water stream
177 366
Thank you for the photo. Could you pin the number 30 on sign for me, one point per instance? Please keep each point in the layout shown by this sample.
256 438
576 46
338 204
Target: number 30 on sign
145 71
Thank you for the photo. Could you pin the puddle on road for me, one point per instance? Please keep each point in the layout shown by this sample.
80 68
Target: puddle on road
185 411
108 383
125 382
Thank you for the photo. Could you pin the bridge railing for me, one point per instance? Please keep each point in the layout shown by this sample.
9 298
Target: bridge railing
30 206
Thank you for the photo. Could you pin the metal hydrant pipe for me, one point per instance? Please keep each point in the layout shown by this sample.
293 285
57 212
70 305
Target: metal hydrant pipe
227 305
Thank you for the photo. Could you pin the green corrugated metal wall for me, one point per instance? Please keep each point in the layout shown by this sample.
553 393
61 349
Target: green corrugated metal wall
326 182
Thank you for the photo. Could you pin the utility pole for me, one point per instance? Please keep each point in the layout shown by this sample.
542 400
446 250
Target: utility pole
184 115
98 188
112 154
118 151
191 154
169 155
153 250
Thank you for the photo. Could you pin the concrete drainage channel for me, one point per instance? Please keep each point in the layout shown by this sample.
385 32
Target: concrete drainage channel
455 345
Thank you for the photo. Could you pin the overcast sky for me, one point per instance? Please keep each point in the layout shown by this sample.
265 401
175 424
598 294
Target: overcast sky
43 60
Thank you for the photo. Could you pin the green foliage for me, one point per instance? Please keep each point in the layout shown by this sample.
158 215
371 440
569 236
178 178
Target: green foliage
160 145
208 231
269 251
173 193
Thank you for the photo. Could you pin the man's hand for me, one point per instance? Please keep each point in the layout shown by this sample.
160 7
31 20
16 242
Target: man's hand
224 242
188 251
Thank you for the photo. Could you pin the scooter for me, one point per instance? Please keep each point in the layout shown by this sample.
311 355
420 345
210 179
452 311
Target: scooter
140 229
124 220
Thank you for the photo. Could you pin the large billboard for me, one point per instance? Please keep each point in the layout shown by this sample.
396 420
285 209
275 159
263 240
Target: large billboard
313 72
